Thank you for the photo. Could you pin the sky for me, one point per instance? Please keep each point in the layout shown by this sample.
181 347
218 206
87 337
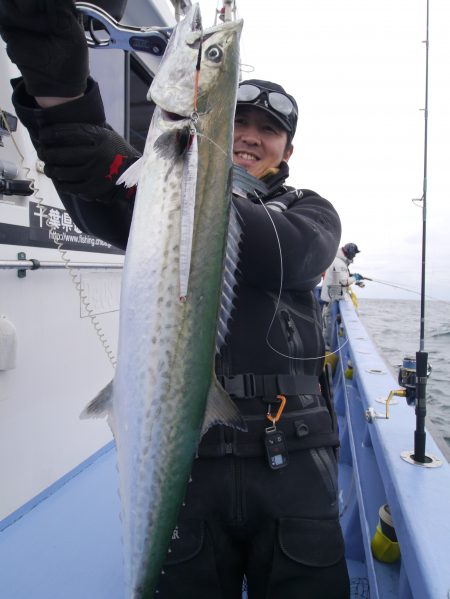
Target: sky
357 71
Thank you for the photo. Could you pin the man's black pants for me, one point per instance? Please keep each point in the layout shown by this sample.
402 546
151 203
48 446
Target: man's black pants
279 528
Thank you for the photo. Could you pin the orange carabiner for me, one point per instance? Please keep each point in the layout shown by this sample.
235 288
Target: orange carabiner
277 416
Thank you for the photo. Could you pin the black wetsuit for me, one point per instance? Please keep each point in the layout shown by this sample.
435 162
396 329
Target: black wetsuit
277 527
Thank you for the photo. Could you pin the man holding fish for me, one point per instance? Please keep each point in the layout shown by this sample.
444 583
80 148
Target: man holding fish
236 474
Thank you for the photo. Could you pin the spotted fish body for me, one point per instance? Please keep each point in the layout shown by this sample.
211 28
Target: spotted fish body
164 388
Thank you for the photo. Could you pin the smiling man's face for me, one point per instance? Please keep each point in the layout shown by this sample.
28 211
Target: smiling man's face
259 141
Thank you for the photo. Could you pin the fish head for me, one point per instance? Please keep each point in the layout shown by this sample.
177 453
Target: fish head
215 51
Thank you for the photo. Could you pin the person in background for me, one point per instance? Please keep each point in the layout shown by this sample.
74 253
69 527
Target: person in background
338 274
269 514
336 283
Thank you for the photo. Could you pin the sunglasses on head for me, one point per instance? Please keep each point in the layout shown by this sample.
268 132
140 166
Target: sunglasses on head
277 101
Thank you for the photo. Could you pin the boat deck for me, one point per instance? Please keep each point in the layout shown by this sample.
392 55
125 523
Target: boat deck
66 543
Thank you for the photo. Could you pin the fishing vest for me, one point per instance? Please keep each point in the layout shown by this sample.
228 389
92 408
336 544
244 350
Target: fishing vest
253 375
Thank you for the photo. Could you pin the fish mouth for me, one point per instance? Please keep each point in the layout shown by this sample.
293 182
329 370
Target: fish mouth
172 116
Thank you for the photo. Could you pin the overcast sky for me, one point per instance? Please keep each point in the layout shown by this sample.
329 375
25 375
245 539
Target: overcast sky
357 70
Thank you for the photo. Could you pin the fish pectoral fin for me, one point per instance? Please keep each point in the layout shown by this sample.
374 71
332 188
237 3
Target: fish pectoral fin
131 176
172 145
221 409
101 405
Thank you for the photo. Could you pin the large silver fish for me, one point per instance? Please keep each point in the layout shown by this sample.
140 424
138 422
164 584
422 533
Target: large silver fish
165 391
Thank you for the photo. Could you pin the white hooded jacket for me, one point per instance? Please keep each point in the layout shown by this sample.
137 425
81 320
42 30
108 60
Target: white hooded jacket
337 277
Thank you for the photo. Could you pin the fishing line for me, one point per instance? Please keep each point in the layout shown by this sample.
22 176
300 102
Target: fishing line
277 304
75 277
278 301
249 68
224 152
197 71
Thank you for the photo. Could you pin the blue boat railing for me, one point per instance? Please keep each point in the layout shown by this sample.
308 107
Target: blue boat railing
372 473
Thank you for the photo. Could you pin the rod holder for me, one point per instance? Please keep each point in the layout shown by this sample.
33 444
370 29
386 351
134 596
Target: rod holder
421 407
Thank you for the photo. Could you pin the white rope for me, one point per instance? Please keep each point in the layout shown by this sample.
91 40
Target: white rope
75 277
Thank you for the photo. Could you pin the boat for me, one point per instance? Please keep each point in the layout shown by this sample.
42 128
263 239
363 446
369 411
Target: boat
59 506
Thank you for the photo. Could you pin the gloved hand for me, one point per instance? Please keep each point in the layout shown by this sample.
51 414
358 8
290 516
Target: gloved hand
46 42
84 159
357 276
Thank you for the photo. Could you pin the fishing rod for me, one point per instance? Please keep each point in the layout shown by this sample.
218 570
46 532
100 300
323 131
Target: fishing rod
391 285
402 288
422 356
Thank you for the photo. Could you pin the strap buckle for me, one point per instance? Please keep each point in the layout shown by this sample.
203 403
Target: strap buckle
240 385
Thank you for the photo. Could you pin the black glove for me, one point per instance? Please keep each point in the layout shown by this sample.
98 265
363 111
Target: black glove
46 41
85 159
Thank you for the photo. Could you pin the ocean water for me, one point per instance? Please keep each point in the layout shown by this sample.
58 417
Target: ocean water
394 326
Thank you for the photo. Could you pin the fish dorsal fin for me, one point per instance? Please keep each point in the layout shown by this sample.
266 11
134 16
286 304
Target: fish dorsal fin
131 176
221 409
229 276
242 184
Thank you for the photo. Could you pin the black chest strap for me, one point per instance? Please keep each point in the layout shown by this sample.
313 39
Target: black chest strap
249 385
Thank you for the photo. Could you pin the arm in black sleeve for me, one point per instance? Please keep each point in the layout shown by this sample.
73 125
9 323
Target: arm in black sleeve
308 233
84 158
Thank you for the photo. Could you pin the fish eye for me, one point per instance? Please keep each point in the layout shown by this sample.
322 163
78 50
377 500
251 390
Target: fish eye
214 53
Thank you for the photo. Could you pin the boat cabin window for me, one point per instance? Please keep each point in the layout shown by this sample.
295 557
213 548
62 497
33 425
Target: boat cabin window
141 110
124 82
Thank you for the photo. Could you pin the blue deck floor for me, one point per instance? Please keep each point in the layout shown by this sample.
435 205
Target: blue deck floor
68 546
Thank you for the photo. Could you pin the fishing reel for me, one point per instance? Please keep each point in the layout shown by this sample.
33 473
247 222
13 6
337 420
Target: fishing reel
407 378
